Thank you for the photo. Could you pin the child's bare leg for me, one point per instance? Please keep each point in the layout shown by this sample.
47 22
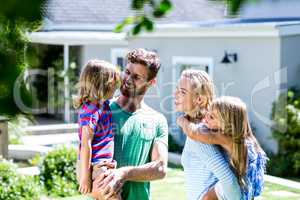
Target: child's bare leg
96 194
210 195
117 197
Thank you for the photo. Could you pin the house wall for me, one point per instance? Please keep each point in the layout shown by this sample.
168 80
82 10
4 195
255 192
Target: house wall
99 52
266 66
290 62
251 78
95 52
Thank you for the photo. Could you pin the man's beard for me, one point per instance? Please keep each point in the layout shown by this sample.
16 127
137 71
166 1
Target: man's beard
133 91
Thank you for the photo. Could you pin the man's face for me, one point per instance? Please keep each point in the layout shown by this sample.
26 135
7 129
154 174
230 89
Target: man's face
134 80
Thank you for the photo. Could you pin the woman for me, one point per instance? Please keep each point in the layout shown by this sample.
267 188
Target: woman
204 165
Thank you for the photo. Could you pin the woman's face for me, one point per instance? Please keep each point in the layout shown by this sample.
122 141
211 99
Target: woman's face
184 96
213 120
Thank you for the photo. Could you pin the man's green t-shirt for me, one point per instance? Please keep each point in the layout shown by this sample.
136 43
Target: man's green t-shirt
135 134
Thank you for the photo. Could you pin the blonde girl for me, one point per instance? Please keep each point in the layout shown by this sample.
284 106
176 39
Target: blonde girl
229 127
97 84
204 165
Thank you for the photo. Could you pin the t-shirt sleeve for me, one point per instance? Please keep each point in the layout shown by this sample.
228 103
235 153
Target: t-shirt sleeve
90 119
162 131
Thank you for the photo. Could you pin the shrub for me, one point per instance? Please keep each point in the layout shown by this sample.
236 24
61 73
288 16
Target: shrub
58 172
173 146
16 127
286 129
16 186
36 160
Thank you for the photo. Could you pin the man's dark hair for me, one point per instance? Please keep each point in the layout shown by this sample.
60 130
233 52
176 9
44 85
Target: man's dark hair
147 58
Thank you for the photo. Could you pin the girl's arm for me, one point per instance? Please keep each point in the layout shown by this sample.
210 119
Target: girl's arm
201 135
85 159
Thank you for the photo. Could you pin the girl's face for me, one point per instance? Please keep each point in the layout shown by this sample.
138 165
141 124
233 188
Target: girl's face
184 96
213 120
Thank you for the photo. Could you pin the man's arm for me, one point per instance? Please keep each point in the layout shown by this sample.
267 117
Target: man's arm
156 169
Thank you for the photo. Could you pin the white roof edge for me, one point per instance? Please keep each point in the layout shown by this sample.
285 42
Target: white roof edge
78 38
273 29
169 31
289 30
240 30
78 27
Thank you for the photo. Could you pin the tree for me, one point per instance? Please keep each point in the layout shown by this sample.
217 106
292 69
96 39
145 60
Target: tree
159 8
16 18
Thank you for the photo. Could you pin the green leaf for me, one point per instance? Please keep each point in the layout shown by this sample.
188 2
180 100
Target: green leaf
148 24
137 29
119 28
158 13
138 4
128 21
161 10
235 5
291 94
165 5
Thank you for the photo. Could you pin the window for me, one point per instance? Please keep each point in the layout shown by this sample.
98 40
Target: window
118 57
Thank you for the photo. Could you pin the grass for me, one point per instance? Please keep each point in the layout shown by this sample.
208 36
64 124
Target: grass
172 187
278 192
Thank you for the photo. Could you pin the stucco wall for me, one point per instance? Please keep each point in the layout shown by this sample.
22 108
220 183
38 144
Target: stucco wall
95 52
98 52
251 78
290 62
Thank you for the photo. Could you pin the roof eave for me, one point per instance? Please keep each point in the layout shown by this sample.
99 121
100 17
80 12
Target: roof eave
78 38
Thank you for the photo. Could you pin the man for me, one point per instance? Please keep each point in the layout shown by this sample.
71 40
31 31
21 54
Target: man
141 134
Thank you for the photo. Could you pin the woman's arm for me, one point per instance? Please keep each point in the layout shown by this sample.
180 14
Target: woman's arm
85 159
202 135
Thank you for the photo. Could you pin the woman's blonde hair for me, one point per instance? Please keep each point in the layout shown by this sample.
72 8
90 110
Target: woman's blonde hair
235 123
98 81
203 86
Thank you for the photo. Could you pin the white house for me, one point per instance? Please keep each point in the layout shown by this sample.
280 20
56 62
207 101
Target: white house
253 58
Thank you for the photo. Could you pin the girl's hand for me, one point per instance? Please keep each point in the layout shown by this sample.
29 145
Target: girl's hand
85 185
181 121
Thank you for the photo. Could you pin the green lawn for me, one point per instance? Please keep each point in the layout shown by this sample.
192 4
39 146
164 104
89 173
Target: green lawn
173 187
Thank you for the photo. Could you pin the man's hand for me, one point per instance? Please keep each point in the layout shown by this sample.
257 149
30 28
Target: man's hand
114 181
99 191
108 184
85 185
